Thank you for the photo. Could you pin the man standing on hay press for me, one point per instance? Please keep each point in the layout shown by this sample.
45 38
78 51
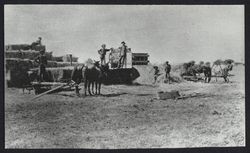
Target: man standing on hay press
167 70
102 53
123 55
42 61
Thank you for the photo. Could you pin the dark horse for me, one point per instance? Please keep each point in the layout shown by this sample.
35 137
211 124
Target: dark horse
198 69
93 76
207 73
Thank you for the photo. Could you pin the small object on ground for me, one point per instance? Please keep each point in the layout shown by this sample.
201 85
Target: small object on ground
195 94
216 113
173 94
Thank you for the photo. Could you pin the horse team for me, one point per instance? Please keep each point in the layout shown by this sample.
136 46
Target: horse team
93 77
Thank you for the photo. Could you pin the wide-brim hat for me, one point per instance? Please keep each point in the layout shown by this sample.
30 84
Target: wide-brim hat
123 42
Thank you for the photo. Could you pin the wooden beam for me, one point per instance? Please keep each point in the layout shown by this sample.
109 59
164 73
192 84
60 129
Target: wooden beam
48 83
46 92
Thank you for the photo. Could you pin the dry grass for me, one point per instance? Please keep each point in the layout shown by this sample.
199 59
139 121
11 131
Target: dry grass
130 117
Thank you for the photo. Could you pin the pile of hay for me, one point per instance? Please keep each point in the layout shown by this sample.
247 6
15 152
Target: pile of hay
147 74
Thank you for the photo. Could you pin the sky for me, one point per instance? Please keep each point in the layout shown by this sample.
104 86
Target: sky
174 33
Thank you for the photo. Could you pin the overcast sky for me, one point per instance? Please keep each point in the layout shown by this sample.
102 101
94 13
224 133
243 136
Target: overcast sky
176 33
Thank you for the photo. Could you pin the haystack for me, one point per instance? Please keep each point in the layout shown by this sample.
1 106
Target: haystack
147 74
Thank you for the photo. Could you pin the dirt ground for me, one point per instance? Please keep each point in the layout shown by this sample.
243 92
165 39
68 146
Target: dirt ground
130 117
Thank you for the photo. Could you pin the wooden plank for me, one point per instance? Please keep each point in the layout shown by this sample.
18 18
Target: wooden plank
48 83
46 92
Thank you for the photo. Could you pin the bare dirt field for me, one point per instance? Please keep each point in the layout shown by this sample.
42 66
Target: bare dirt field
130 117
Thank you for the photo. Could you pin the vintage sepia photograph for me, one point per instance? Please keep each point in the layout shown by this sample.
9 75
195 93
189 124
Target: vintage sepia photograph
124 76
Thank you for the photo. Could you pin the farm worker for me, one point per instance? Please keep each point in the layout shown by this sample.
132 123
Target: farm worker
39 41
102 53
123 54
42 61
167 70
156 73
36 43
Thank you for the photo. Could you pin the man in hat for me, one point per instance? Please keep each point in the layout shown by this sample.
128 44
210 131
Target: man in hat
156 73
123 54
36 43
167 70
42 61
102 53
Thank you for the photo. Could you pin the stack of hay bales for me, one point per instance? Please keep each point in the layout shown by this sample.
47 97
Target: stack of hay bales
19 59
30 54
24 47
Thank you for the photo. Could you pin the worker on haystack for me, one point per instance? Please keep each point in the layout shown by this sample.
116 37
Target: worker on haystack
102 53
42 61
167 70
123 55
156 73
36 43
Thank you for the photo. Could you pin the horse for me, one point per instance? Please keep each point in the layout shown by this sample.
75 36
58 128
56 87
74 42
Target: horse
222 70
207 73
194 69
95 76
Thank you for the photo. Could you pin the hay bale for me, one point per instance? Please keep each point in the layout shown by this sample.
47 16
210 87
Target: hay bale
38 48
15 63
52 64
17 47
57 74
65 64
30 54
24 47
57 58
